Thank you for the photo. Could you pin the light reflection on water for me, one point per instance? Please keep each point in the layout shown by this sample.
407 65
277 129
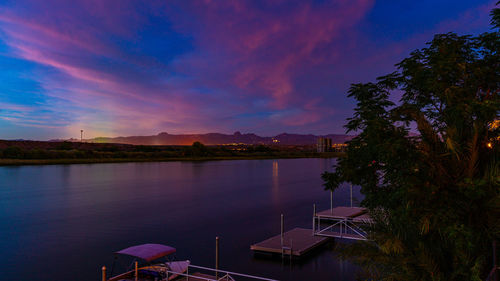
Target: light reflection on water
63 222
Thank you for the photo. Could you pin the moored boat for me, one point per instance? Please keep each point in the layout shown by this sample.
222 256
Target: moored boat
151 266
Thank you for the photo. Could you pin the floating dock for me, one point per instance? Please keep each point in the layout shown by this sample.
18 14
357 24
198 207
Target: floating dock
342 222
296 242
339 222
342 212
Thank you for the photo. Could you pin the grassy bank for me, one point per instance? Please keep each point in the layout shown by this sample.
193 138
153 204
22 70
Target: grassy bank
16 162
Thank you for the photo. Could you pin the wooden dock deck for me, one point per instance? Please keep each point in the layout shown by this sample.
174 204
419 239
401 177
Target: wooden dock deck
300 240
356 214
342 212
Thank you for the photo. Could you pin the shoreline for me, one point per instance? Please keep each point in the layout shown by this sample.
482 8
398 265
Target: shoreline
30 162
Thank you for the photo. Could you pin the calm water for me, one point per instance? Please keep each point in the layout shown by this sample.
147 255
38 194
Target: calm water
63 222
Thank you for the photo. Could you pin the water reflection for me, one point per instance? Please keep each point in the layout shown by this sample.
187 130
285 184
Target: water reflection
276 182
72 217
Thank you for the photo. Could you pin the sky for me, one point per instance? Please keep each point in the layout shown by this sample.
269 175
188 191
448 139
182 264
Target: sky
121 68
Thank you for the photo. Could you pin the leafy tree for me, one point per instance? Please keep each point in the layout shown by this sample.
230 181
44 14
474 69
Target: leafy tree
495 17
13 152
109 148
434 195
199 149
259 148
144 148
65 145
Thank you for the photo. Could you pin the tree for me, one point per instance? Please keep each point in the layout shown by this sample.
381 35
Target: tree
429 165
65 145
198 149
13 152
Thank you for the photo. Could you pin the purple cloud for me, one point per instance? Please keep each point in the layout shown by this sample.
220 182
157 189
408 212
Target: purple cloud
125 67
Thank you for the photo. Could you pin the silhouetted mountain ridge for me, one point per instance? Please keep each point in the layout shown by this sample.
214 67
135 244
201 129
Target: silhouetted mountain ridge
218 139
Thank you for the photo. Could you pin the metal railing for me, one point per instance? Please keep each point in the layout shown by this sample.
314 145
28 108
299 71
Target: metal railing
344 225
226 273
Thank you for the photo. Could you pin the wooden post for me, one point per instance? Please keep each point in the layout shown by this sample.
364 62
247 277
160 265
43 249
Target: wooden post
351 195
282 229
103 273
136 271
314 219
331 201
217 257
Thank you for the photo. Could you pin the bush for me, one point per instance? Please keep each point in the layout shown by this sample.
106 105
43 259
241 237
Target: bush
13 152
109 148
146 148
37 154
65 146
198 149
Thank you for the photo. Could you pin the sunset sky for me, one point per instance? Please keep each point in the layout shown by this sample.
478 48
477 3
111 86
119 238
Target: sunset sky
122 67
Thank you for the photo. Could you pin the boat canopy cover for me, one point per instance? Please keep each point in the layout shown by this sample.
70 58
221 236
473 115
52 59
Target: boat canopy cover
148 252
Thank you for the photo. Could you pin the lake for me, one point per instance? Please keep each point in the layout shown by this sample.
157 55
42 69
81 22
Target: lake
63 222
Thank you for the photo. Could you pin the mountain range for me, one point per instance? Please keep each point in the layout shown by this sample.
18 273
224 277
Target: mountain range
219 139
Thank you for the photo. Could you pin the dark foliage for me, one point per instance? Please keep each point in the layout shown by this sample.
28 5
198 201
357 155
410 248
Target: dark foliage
65 146
30 150
13 152
435 196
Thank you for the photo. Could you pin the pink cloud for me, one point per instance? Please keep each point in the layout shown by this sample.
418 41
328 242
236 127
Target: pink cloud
257 53
110 67
266 50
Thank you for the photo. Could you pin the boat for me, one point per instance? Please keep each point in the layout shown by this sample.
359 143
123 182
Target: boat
151 266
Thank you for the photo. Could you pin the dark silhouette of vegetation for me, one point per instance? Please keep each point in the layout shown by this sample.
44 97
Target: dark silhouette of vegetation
21 152
198 150
259 149
65 146
13 152
435 197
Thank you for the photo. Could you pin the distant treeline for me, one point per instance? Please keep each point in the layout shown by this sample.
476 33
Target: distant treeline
74 150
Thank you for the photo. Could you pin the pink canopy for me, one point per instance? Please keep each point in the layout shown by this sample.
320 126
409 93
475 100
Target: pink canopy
148 252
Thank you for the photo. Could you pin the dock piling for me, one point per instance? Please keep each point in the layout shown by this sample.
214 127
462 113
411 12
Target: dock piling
217 257
103 273
282 229
331 201
351 195
136 271
314 219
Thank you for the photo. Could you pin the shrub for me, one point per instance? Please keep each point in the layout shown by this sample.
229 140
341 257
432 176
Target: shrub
13 152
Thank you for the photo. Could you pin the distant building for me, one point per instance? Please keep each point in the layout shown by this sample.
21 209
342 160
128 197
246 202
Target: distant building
324 145
339 147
